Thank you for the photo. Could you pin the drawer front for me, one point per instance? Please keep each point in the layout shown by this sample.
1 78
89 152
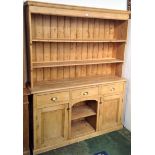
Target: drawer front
85 92
112 88
52 98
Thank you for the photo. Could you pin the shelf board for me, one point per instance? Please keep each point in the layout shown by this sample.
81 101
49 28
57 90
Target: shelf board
57 85
82 111
69 40
74 63
80 128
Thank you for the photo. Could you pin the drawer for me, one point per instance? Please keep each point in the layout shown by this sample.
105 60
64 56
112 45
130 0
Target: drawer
84 92
112 88
52 98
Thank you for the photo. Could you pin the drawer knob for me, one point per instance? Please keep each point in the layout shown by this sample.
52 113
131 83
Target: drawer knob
112 89
85 93
54 98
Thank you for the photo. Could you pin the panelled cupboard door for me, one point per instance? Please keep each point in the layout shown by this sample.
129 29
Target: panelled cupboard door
110 111
51 125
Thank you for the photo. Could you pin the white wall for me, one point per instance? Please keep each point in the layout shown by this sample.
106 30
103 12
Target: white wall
109 4
127 75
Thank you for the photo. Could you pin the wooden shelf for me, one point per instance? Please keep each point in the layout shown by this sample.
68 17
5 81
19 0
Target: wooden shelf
80 128
74 63
80 41
73 83
82 111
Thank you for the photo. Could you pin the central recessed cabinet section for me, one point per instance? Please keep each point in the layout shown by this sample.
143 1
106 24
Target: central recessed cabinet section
75 58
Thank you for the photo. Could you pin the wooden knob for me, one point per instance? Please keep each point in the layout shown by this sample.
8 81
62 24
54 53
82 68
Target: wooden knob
54 98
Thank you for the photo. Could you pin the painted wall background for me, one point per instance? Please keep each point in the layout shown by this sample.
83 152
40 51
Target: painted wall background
118 5
127 75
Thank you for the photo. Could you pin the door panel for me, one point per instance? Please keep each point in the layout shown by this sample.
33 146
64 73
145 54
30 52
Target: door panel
51 128
52 125
110 111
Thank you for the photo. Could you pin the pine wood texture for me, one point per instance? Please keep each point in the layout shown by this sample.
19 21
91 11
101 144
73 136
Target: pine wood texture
79 116
82 112
51 125
26 148
66 47
80 128
75 66
110 111
76 11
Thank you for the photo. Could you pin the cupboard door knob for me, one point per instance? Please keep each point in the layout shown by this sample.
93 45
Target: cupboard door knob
85 93
54 98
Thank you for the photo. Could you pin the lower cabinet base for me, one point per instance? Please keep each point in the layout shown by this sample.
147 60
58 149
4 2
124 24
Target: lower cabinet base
71 141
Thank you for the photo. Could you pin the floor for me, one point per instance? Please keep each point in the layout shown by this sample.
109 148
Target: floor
114 143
